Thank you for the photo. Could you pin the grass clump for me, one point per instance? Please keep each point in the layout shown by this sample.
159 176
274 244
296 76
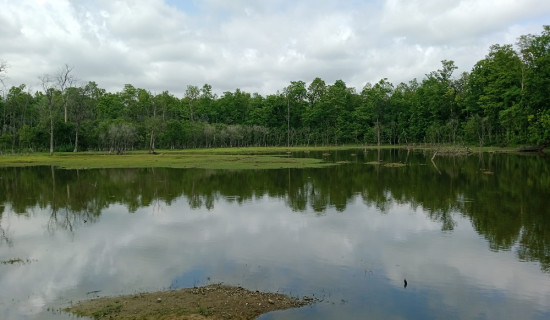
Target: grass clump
107 311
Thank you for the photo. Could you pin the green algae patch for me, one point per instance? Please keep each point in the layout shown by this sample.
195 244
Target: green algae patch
387 164
394 165
375 163
183 159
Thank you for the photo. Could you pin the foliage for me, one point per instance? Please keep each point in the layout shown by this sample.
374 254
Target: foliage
503 101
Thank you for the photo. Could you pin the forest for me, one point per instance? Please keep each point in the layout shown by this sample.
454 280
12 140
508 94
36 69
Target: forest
503 101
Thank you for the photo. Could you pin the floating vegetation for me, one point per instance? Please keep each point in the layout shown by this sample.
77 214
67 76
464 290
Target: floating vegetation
208 159
375 163
17 261
394 165
387 165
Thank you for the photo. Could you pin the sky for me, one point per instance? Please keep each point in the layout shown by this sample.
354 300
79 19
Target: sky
256 46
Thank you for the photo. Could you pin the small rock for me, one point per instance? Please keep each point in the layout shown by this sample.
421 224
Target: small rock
159 300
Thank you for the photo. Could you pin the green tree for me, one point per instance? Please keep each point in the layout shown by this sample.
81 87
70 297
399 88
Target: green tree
16 112
155 123
192 94
495 86
535 53
205 109
295 95
314 120
437 102
402 102
109 106
129 103
375 106
82 104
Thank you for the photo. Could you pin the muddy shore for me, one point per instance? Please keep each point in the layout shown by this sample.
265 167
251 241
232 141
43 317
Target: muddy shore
215 301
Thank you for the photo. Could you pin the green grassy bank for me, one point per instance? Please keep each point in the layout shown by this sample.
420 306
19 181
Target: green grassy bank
225 158
212 158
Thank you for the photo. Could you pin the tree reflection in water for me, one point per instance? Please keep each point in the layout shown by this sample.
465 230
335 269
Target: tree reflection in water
504 196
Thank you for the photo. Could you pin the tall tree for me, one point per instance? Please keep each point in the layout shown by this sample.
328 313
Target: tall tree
82 103
402 103
50 105
192 93
314 118
437 102
156 120
64 80
129 100
375 103
205 110
3 67
17 113
535 53
495 86
295 94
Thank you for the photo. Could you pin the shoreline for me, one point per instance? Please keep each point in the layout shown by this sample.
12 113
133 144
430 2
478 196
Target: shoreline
219 158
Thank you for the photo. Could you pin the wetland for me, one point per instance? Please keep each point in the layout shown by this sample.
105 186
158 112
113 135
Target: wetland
470 233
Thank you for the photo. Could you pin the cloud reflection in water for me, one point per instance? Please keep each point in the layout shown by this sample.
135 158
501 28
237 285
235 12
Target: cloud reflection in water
355 260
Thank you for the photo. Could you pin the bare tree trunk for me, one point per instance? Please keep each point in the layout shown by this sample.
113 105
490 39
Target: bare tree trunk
288 122
378 131
65 80
51 135
76 140
152 143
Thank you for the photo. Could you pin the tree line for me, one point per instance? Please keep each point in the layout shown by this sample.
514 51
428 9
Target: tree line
502 101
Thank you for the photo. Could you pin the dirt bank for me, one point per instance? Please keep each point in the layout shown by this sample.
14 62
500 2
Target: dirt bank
215 301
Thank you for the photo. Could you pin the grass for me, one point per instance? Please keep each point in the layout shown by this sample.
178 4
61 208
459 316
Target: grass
108 310
211 158
450 148
203 311
215 158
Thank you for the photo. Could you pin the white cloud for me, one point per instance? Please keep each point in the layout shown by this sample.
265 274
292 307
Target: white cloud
257 46
455 22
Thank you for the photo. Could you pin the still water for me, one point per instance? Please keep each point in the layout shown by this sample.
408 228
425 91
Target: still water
471 234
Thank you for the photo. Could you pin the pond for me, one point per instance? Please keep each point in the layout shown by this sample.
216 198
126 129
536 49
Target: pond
469 233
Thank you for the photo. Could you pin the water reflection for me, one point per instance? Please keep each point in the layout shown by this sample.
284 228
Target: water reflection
349 234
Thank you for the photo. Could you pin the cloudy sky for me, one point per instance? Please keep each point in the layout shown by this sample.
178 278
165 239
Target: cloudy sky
257 46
